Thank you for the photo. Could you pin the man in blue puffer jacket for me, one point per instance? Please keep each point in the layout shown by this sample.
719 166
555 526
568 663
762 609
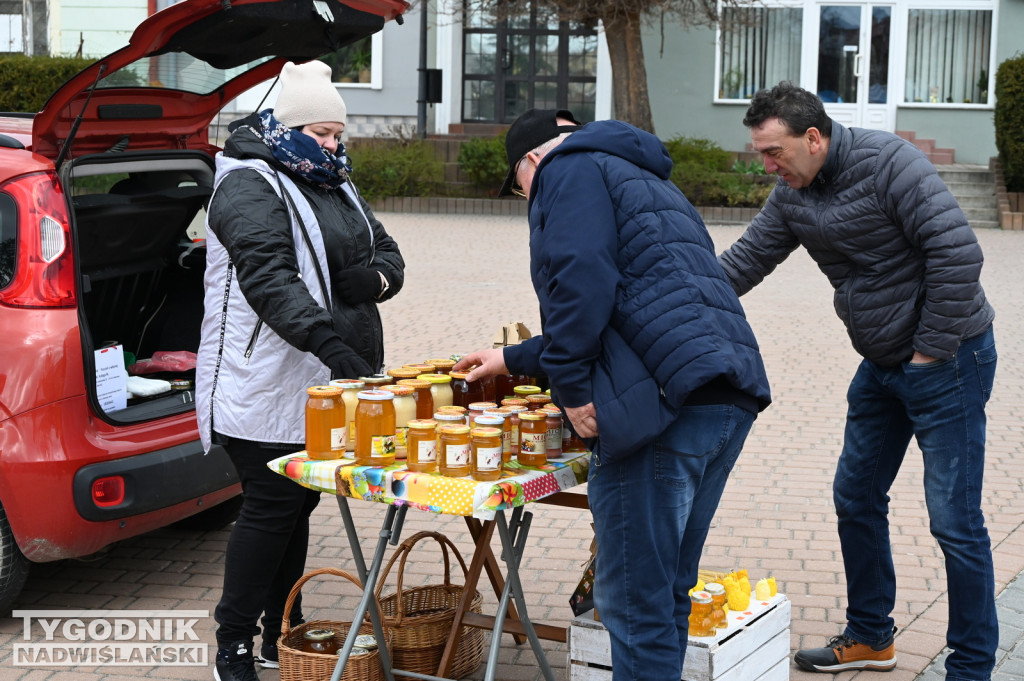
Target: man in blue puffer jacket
874 214
646 347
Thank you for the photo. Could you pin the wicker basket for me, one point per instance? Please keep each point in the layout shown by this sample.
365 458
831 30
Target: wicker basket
420 619
298 665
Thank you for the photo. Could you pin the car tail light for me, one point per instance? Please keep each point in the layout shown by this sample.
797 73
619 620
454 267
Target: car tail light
45 272
108 491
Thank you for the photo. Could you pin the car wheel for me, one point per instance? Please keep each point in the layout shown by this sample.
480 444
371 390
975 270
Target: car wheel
218 517
13 566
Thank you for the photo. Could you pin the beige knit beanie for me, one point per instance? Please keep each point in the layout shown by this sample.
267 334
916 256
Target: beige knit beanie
308 96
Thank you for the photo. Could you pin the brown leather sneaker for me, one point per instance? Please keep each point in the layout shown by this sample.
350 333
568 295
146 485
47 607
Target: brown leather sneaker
844 654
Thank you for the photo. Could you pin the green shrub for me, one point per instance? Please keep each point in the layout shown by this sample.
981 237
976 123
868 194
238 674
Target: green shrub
400 166
1009 120
484 162
709 175
27 82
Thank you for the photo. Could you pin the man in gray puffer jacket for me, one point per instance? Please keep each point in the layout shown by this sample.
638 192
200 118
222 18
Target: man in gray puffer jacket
875 216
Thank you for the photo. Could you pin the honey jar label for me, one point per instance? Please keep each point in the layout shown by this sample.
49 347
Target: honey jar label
456 455
401 437
338 439
427 451
506 441
382 446
488 458
553 439
533 443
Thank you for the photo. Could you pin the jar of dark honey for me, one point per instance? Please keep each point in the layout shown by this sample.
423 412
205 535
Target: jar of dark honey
320 641
464 392
424 400
533 433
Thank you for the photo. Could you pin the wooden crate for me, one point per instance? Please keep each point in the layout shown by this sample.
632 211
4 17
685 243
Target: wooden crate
755 647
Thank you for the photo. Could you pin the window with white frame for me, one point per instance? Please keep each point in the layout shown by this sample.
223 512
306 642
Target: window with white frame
757 47
948 56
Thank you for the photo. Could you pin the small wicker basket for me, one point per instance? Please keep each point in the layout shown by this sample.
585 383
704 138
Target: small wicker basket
299 665
420 619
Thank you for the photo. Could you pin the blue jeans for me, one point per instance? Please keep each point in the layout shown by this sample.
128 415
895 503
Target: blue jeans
652 511
943 406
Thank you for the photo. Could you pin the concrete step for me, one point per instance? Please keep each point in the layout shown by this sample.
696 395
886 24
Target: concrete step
971 188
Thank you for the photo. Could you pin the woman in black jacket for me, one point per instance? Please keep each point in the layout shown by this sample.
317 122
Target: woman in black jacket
296 264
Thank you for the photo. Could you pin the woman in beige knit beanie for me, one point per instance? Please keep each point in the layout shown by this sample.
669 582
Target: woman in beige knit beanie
296 265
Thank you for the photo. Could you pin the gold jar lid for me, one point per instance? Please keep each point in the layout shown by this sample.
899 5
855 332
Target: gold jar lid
399 390
414 383
532 416
323 391
422 424
486 431
453 429
404 372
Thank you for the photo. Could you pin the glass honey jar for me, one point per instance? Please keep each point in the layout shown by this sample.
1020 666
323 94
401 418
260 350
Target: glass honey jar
485 453
424 400
702 623
525 390
504 385
325 423
375 428
454 450
440 389
718 614
402 373
350 391
478 409
446 418
506 432
405 411
533 434
553 442
464 392
513 412
421 446
320 641
538 401
441 366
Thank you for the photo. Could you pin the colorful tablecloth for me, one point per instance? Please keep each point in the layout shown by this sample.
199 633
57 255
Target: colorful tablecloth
432 491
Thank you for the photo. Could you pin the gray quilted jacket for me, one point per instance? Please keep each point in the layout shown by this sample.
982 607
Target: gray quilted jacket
891 239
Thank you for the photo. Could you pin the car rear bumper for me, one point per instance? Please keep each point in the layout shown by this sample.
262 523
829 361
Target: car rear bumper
155 480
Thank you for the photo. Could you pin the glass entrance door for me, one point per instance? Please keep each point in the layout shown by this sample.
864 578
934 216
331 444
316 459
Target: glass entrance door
854 67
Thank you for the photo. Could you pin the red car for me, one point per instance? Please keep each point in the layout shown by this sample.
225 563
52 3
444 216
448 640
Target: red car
97 193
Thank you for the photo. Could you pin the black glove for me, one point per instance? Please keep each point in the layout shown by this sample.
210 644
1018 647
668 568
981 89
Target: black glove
358 284
342 360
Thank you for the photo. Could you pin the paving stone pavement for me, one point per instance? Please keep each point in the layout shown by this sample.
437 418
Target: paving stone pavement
466 276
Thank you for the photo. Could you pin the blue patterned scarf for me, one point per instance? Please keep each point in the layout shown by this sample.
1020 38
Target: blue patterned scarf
301 154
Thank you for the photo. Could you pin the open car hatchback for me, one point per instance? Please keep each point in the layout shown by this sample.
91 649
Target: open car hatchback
102 203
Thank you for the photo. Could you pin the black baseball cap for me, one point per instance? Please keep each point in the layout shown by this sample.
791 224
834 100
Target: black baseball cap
532 129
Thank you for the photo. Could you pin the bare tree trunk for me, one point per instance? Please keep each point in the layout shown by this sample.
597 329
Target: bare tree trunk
629 72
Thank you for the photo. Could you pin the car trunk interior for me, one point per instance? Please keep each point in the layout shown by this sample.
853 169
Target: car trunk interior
138 221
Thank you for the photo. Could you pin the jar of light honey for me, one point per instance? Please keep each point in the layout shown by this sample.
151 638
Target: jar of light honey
702 623
553 442
506 432
325 422
485 453
441 366
350 390
533 434
440 388
375 428
424 400
453 450
464 392
718 614
405 411
421 446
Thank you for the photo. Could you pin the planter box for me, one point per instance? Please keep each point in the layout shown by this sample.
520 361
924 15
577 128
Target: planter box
755 647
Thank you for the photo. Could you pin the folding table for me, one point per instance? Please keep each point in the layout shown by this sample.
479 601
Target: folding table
482 504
